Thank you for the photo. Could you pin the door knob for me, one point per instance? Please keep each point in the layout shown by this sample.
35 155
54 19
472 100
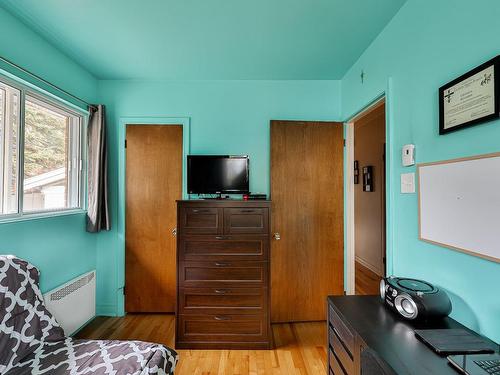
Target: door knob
174 232
277 236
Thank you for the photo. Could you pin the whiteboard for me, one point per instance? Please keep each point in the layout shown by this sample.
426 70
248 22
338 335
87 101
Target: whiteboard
459 204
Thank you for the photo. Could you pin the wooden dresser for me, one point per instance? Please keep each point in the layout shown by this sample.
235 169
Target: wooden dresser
223 274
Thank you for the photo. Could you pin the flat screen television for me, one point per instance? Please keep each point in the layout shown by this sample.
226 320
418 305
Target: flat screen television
217 174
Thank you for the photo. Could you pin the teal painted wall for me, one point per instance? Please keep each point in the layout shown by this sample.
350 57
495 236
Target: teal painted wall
26 48
225 117
59 246
427 44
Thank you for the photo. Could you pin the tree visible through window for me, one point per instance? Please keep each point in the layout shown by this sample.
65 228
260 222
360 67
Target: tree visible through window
48 160
45 140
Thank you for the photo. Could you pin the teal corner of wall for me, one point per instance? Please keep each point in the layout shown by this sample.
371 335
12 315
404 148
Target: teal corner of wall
120 302
110 309
106 310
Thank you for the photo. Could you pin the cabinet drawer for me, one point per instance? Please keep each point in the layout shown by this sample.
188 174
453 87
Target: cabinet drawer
222 300
345 334
223 273
340 352
224 247
246 220
200 220
222 328
335 367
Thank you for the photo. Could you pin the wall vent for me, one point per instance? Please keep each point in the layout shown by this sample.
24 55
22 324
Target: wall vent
71 288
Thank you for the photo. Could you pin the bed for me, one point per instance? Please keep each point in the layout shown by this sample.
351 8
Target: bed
32 342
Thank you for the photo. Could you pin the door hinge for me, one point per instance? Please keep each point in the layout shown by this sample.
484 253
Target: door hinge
125 143
124 290
344 142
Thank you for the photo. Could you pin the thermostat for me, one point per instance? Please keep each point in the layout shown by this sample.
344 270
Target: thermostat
408 155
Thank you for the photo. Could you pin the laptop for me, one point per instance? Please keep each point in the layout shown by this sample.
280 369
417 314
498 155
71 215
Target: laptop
476 364
455 341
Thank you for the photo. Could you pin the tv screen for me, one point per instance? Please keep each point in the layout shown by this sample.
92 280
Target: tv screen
212 174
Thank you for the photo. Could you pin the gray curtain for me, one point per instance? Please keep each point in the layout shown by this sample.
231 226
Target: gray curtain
97 155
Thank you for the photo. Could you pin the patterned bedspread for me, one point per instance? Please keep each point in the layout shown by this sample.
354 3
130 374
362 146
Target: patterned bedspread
32 342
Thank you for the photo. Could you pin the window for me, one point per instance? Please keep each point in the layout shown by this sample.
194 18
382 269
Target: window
51 157
42 154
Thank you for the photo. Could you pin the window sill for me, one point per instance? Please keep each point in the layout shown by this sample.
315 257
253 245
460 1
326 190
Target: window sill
40 215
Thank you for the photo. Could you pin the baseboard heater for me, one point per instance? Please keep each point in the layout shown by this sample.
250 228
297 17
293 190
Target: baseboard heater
73 304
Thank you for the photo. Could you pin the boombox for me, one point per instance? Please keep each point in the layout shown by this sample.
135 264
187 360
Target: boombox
414 299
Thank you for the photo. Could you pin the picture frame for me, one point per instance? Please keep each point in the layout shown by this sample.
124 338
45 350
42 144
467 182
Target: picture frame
471 99
368 178
356 172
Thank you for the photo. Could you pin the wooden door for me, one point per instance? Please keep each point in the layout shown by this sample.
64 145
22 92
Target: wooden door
154 183
307 262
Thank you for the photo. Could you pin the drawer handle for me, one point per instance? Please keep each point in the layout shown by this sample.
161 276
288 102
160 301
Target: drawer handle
221 291
220 318
247 211
196 211
221 237
222 264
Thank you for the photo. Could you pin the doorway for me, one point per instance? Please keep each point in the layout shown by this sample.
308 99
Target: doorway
307 251
154 174
367 195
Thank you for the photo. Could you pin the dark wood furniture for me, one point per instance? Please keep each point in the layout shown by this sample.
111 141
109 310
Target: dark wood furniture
223 274
358 322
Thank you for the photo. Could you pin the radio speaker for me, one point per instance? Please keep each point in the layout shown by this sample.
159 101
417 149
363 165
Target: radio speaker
414 299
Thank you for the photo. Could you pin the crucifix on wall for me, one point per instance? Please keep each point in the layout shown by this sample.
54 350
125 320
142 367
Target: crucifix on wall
449 95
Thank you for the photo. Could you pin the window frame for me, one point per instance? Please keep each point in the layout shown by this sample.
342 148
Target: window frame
58 105
6 134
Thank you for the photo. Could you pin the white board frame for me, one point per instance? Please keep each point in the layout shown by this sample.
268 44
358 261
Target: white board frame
473 252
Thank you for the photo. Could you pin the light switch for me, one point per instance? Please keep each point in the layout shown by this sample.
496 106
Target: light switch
408 183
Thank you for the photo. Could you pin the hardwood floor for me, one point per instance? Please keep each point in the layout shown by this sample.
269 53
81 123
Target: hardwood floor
299 347
367 281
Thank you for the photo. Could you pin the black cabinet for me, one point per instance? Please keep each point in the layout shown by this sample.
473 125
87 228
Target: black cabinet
359 322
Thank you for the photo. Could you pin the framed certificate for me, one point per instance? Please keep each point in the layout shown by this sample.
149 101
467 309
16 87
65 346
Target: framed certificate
470 99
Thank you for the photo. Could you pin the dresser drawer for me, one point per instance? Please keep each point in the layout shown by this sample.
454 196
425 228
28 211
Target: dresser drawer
335 367
223 274
223 300
344 333
345 358
224 247
222 328
246 220
200 220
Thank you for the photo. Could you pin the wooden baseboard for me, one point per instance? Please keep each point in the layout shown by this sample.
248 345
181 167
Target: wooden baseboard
369 266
